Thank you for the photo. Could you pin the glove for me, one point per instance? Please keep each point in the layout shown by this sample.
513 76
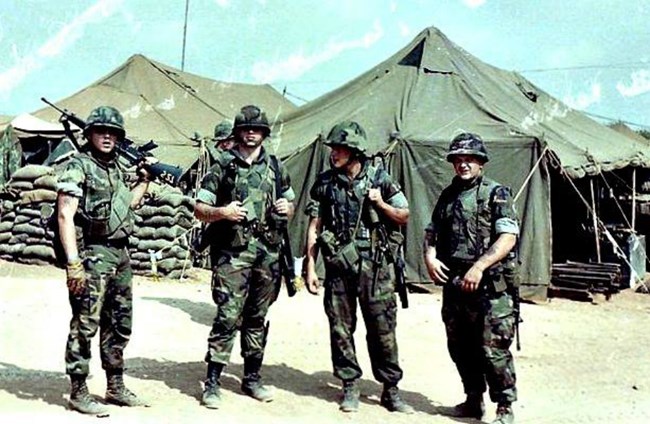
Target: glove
75 277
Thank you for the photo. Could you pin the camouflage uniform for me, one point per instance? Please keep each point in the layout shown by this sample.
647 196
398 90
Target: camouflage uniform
245 267
339 203
105 220
467 219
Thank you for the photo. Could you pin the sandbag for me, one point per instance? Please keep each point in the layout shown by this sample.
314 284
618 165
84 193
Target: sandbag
21 185
38 195
29 229
47 182
31 172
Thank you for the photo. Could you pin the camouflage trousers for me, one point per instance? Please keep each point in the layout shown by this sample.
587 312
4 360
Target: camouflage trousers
106 304
244 286
379 310
480 330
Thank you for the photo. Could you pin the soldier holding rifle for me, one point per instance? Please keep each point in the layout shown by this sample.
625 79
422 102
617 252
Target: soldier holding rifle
356 211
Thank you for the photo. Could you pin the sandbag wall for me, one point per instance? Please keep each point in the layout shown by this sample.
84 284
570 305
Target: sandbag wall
162 230
24 235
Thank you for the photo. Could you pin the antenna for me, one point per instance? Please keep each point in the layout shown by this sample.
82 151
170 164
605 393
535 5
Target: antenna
187 7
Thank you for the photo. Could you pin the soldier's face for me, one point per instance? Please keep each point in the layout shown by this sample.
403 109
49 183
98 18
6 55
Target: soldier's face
467 167
103 139
226 144
340 156
251 136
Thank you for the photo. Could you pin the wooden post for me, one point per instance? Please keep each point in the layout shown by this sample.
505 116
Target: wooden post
595 219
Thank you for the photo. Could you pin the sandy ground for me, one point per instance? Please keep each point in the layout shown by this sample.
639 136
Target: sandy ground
580 362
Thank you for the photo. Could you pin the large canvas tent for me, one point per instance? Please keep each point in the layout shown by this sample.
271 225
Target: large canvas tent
416 101
167 105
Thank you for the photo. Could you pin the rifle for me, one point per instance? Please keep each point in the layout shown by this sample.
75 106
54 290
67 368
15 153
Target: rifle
383 249
168 174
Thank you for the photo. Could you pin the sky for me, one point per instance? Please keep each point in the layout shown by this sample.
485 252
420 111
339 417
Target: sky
592 54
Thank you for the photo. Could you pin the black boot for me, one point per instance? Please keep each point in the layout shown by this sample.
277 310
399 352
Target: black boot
504 414
350 398
252 382
117 393
473 407
391 400
81 401
211 397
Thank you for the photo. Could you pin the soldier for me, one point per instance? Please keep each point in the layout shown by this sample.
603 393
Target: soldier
247 194
469 248
223 136
350 202
93 195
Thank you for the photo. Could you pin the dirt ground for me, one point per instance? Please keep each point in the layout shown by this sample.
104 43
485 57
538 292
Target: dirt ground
580 362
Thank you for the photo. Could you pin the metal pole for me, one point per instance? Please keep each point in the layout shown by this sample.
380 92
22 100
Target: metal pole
595 219
633 199
187 8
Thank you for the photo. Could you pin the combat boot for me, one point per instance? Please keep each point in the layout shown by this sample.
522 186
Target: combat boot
391 400
473 407
350 398
251 384
211 397
81 401
117 393
504 414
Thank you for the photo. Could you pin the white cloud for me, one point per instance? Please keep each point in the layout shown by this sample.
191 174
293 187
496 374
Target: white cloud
584 100
297 64
640 84
404 29
222 3
393 6
473 4
56 45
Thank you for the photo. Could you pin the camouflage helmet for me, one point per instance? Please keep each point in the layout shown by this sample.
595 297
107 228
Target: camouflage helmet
222 131
105 116
467 144
348 134
252 116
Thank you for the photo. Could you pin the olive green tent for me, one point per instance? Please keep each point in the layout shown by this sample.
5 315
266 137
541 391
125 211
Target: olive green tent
169 106
416 101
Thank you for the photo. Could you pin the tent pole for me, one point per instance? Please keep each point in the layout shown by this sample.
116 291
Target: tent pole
595 219
633 199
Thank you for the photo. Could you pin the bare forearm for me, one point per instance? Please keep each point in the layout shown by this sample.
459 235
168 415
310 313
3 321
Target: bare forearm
67 207
138 192
499 249
311 247
206 213
399 216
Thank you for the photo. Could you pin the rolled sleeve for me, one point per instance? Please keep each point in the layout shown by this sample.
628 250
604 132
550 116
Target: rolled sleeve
398 200
506 226
72 179
207 197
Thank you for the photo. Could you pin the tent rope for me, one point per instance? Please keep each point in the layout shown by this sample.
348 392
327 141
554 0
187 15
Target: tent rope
617 249
530 174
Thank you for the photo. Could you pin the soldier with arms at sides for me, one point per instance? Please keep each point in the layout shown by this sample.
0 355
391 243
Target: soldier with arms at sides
95 203
247 194
349 203
469 247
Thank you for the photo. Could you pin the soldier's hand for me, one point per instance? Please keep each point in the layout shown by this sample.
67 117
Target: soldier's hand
312 282
75 277
281 206
143 174
374 195
437 271
472 279
235 211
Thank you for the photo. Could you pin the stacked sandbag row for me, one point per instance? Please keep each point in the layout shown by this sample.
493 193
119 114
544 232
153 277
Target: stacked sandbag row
25 236
162 231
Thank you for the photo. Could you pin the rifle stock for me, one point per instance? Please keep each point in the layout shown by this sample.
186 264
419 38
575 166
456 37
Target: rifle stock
168 174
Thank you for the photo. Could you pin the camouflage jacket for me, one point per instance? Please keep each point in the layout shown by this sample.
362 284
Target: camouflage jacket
104 198
339 201
467 219
232 178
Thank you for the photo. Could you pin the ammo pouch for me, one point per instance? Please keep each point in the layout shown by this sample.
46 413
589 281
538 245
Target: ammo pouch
341 258
395 241
345 259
